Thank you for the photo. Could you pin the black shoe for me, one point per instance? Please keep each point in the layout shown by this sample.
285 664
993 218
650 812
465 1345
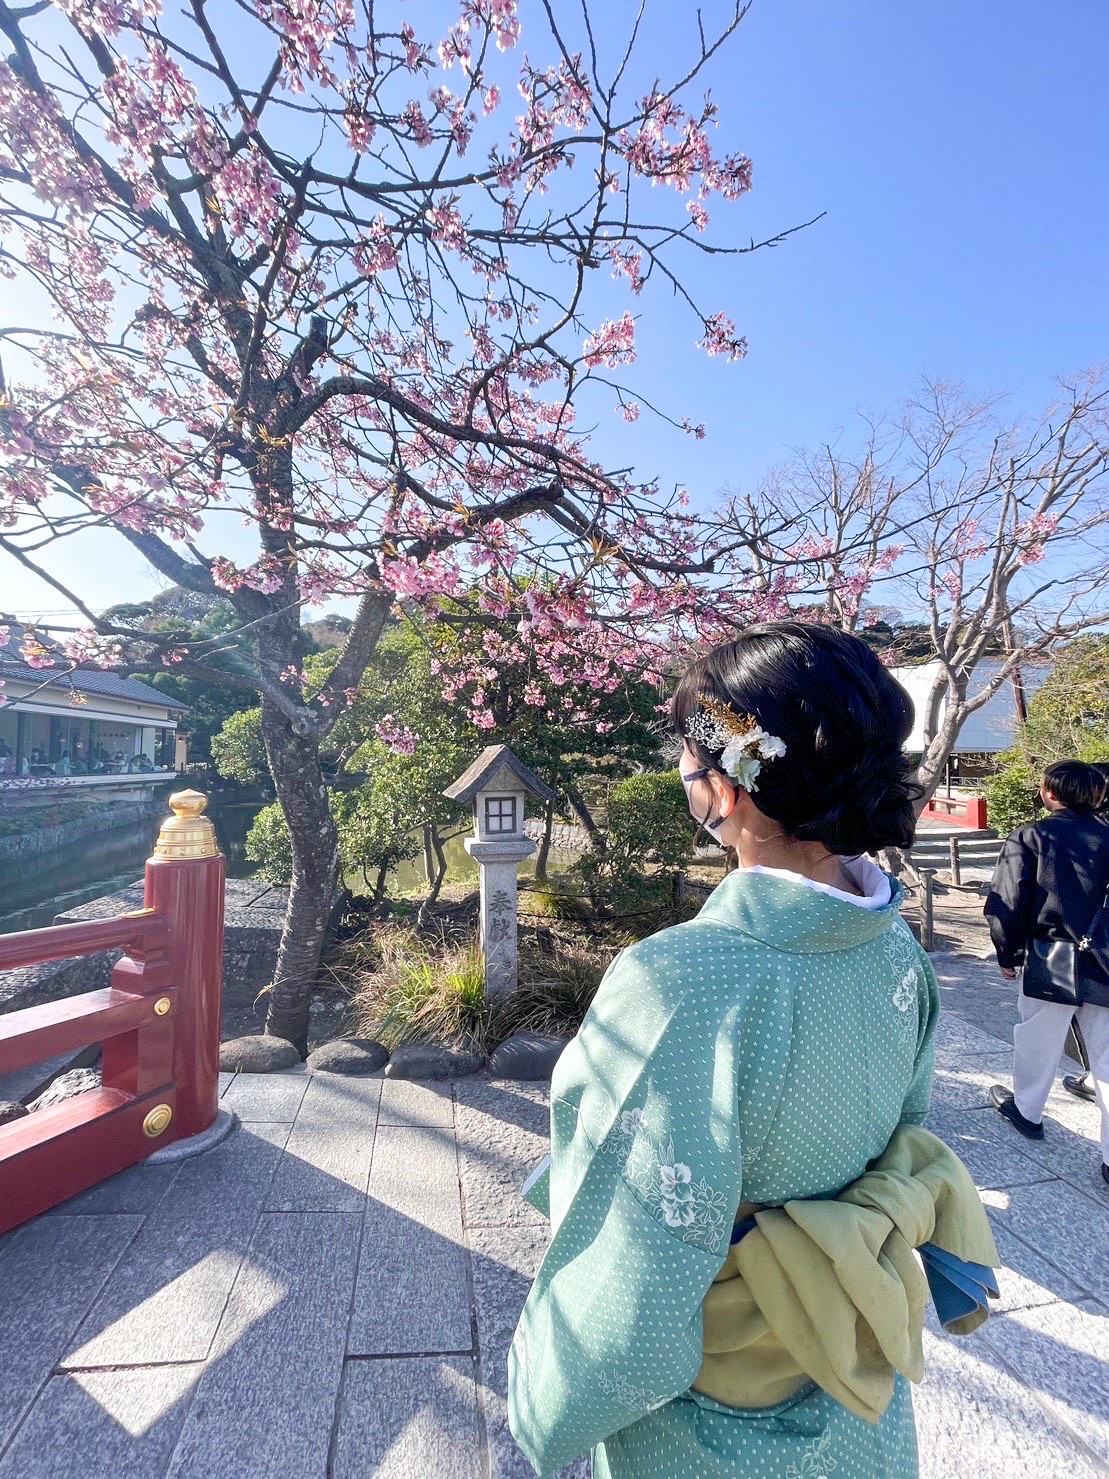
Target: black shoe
1079 1085
1006 1105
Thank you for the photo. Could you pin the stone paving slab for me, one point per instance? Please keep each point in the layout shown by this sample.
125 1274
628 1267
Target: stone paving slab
991 1151
965 1084
976 1421
404 1101
506 1260
138 1190
167 1294
51 1270
1027 1278
412 1294
273 1098
1062 1351
103 1425
503 1133
1070 1229
265 1406
399 1419
326 1164
958 1040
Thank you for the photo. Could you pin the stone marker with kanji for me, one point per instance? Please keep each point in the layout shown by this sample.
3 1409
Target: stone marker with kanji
498 784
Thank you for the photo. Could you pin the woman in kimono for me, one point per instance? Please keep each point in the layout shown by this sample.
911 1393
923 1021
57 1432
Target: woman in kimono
764 1052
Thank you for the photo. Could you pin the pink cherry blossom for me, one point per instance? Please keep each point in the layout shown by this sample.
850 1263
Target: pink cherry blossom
613 343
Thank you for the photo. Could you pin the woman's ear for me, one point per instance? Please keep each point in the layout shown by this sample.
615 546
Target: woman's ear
726 794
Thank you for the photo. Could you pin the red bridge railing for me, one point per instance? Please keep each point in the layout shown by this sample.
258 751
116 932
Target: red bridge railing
159 1023
960 811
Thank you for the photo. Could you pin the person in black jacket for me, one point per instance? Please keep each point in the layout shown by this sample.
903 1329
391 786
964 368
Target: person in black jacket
1080 1084
1050 883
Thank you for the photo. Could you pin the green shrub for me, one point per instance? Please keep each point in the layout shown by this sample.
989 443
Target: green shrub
648 819
268 844
650 837
1012 797
237 750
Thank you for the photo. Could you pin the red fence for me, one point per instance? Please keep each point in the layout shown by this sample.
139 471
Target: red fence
960 811
159 1023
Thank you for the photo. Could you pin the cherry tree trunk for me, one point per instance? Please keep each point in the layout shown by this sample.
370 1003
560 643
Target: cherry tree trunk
544 843
294 762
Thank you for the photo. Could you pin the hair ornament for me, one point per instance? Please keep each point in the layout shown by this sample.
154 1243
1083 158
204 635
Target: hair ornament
742 741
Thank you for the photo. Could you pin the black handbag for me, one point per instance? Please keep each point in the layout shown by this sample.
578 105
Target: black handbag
1051 971
1051 967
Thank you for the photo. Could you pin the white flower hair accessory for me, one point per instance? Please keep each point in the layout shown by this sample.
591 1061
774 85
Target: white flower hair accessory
742 741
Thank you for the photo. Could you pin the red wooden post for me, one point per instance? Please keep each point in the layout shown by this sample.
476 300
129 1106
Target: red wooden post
159 1024
185 884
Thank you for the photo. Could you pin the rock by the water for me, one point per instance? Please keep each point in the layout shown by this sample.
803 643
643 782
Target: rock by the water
527 1056
257 1053
76 1081
352 1055
10 1111
425 1060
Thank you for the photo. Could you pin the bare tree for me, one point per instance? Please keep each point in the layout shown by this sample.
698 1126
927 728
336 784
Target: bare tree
993 536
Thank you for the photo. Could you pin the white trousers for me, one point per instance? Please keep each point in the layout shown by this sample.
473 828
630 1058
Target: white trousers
1038 1040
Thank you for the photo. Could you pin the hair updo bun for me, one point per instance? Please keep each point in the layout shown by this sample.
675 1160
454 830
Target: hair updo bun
844 779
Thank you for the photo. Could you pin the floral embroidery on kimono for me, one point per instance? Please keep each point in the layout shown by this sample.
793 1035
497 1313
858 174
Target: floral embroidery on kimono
816 1463
666 1184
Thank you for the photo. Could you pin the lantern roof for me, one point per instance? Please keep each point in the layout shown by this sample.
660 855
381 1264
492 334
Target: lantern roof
492 759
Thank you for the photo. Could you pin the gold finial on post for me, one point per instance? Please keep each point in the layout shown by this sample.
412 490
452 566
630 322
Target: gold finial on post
188 833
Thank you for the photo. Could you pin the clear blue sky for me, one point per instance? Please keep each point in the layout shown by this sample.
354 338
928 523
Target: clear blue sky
961 152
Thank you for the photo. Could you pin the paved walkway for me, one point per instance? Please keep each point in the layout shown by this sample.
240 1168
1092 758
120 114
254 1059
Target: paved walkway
332 1291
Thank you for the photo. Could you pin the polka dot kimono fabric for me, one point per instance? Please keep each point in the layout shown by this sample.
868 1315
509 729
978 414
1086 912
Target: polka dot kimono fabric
808 1437
763 1052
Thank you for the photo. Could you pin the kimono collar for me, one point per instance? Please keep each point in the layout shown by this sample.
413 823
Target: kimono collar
788 916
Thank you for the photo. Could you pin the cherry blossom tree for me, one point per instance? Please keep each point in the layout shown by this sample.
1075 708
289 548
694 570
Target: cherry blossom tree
309 270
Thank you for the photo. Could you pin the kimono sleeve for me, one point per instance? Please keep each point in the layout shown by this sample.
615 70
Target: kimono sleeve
1011 906
914 1111
644 1189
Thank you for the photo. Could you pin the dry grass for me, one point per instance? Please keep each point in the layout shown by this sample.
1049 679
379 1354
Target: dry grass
406 988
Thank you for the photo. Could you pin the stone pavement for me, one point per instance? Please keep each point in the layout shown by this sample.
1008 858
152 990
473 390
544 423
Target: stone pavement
332 1290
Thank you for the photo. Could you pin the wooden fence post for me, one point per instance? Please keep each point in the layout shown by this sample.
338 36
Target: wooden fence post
927 930
956 871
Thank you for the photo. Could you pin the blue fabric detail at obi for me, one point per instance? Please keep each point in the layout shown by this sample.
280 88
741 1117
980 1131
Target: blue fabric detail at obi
958 1288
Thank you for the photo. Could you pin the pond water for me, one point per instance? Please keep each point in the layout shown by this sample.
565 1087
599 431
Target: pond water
34 891
461 868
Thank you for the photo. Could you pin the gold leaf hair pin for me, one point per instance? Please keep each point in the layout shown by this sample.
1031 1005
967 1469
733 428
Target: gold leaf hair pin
742 741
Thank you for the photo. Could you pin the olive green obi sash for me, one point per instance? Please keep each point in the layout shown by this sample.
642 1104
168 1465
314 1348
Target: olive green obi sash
832 1292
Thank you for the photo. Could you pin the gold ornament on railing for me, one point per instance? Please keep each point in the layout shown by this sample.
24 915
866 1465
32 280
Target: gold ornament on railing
188 833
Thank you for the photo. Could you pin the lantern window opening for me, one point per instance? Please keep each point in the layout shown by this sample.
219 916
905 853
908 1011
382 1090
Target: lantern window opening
500 814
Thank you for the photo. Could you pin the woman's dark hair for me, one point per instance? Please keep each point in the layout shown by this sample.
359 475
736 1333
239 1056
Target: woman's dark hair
845 779
1077 785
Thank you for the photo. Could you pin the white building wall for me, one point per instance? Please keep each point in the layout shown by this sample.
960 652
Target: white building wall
990 728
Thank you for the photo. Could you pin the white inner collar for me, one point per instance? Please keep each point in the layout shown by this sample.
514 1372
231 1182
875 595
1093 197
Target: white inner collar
876 892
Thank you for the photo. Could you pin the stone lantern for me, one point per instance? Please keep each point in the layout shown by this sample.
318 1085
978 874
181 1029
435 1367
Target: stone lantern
498 785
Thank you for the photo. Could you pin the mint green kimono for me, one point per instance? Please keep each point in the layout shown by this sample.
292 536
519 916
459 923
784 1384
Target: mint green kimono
763 1052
